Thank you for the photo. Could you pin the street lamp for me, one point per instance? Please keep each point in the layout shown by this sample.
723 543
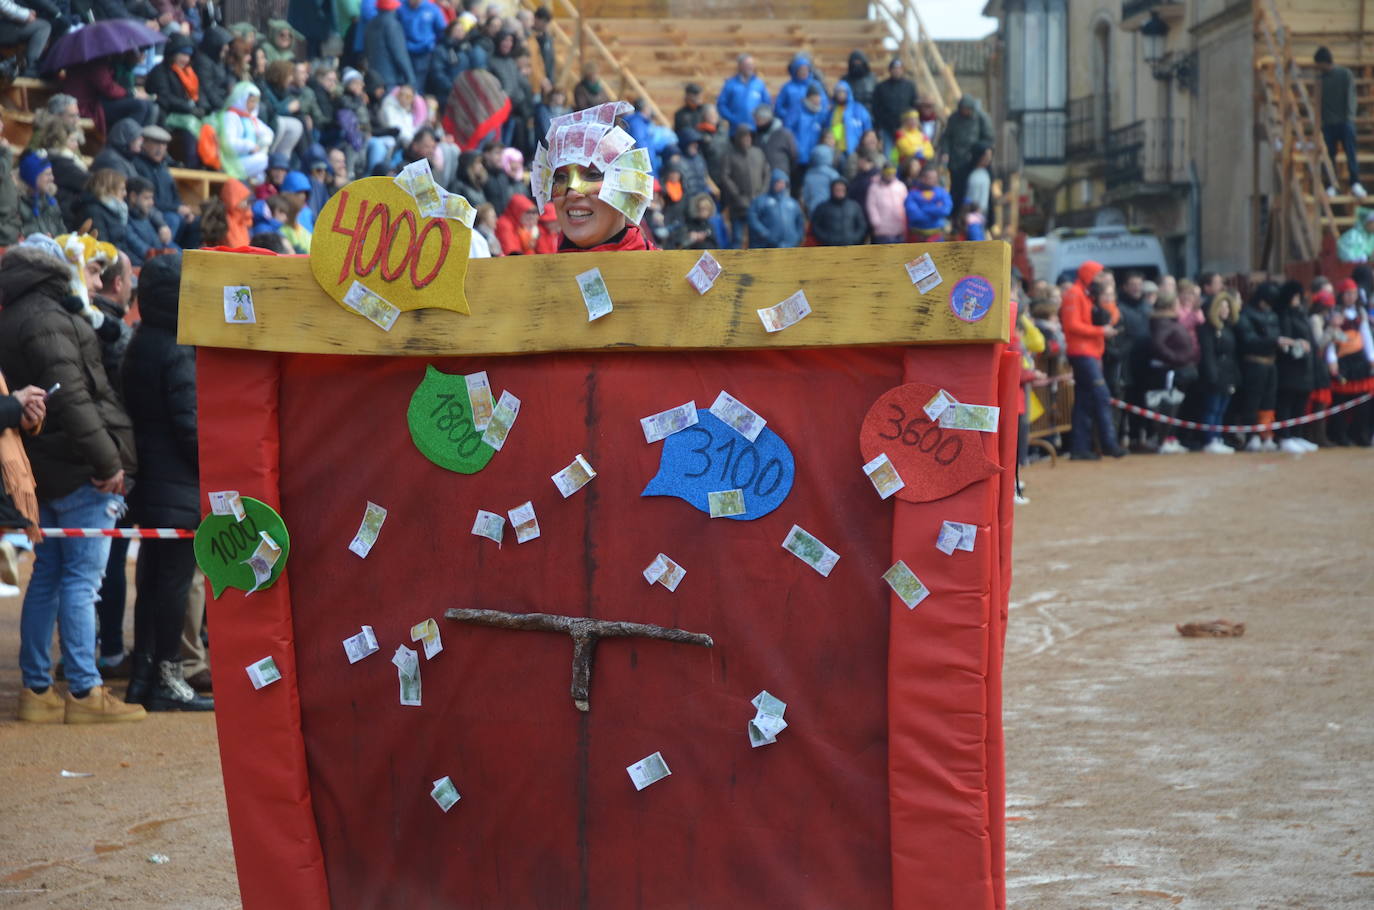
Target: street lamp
1155 32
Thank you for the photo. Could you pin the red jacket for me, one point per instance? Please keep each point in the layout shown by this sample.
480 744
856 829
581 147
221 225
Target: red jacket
628 240
1076 314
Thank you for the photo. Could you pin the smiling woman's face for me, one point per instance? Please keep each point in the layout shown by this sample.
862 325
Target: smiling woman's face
583 218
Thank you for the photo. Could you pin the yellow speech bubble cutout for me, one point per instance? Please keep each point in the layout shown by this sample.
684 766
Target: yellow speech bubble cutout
372 232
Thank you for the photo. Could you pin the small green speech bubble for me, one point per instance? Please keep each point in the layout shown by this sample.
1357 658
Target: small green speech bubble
440 418
223 545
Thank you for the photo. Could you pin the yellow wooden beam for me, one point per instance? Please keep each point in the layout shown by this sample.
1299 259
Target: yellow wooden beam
529 304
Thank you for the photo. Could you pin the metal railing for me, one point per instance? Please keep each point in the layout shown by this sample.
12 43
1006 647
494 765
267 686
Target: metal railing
1042 134
1086 126
1149 152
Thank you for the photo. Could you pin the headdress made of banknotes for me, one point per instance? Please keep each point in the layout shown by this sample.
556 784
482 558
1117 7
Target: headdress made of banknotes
590 138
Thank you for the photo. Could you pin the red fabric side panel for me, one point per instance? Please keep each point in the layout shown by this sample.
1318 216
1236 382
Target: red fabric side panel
549 817
941 666
276 846
1011 393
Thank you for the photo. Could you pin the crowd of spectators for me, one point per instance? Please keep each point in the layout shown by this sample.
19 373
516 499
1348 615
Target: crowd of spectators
1198 351
843 160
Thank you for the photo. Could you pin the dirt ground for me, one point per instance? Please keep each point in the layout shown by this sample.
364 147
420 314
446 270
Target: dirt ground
1144 769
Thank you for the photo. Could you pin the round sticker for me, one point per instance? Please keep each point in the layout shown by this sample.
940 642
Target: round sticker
971 298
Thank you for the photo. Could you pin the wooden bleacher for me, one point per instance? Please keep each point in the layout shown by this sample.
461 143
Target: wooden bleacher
665 54
21 97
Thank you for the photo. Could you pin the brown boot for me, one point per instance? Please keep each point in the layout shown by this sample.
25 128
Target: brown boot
101 706
40 709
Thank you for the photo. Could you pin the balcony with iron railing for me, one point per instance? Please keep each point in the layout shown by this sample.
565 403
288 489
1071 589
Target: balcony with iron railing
1085 127
1146 156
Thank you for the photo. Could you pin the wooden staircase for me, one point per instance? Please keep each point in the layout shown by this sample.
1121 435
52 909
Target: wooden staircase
1303 220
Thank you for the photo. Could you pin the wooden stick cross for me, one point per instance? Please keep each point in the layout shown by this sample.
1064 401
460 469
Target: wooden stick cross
585 634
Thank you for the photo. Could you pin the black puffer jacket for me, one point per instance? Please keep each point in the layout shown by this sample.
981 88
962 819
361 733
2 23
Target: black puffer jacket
86 435
216 82
1295 373
160 393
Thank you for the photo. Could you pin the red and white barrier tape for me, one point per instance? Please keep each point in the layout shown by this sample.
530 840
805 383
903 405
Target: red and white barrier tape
1246 428
142 533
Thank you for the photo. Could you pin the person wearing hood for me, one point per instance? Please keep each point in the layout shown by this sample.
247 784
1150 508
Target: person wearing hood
860 79
39 210
741 94
849 119
175 85
839 220
122 145
820 175
775 219
518 227
778 145
80 461
384 43
743 176
1295 360
967 128
244 140
213 77
159 379
238 213
281 41
885 207
892 98
1257 341
1089 316
793 91
928 206
1357 244
809 122
696 178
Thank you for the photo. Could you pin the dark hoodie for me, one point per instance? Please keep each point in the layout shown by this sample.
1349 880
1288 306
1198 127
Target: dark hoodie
777 142
839 222
86 435
216 82
775 218
962 133
793 92
860 79
163 83
892 98
116 155
159 378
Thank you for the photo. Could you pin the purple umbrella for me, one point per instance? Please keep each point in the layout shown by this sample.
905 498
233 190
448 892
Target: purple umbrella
99 39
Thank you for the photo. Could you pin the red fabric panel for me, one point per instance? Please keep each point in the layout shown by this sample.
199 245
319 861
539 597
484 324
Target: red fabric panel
549 817
263 755
942 663
1011 391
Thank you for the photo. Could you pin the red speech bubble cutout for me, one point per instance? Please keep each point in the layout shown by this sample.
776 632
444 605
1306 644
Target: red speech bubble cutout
935 462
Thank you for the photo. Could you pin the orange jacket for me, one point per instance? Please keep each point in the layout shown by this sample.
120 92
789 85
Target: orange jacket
1083 339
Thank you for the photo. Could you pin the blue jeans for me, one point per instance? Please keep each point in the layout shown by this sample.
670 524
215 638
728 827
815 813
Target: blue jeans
1213 412
379 149
1090 407
66 579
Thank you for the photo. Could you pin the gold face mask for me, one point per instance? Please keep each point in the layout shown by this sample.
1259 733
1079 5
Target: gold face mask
584 180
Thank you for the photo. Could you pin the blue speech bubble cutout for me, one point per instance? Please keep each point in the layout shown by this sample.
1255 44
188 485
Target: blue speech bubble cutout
712 456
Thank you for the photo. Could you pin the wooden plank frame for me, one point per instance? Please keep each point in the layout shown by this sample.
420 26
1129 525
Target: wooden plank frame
859 296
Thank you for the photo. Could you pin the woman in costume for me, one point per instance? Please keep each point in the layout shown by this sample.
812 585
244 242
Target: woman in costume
598 182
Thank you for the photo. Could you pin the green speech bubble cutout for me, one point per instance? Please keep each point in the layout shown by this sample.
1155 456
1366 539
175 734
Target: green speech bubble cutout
440 418
223 543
